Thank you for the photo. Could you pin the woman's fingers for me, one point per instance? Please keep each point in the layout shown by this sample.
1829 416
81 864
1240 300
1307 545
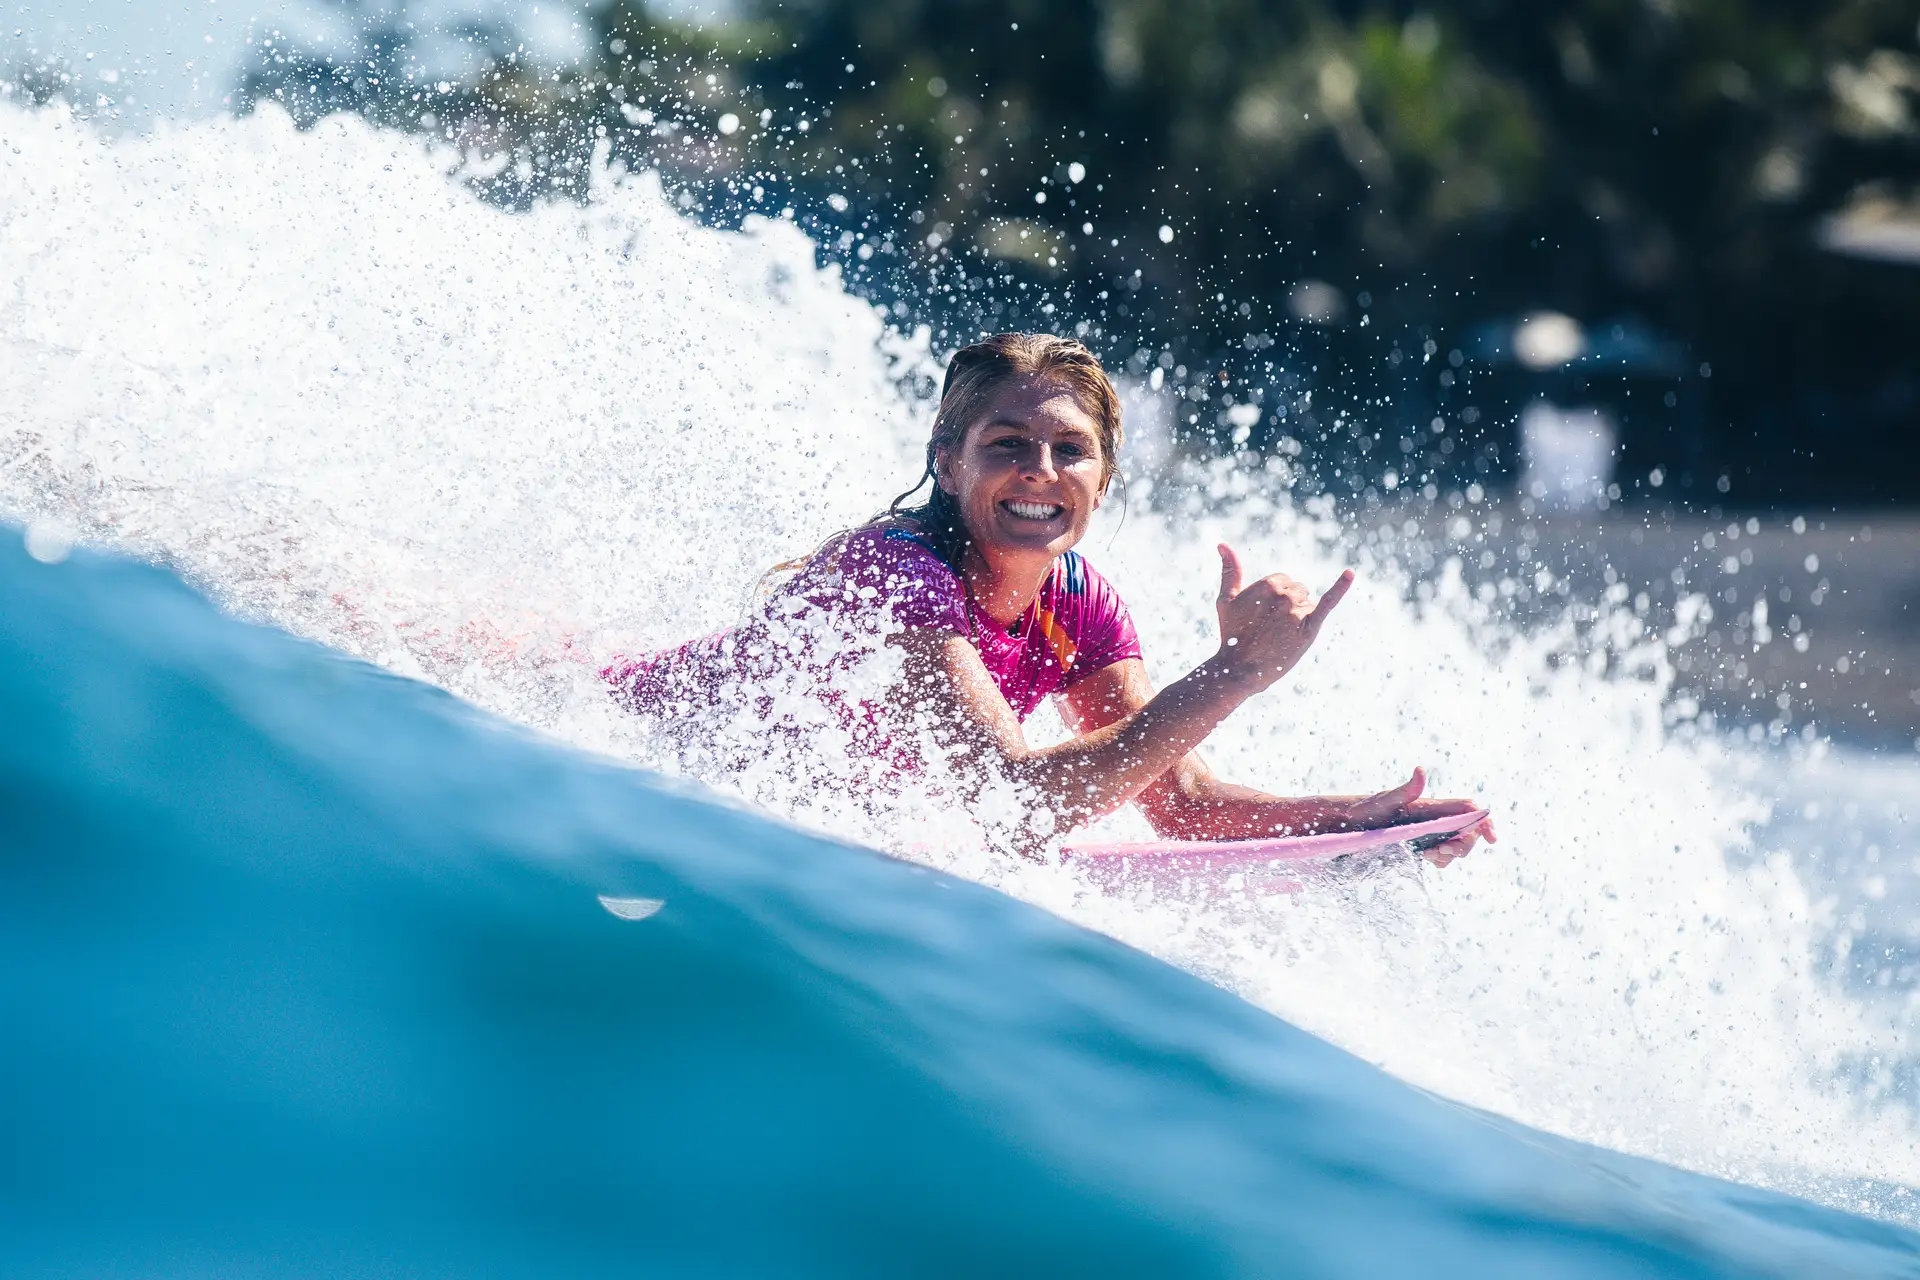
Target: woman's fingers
1270 622
1461 845
1458 847
1386 805
1335 594
1233 578
1438 809
1230 574
1284 588
1405 794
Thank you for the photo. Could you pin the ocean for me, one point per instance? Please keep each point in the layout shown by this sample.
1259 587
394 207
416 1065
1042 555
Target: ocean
312 973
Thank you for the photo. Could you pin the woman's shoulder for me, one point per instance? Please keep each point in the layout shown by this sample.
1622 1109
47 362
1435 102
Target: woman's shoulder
890 542
1077 580
887 564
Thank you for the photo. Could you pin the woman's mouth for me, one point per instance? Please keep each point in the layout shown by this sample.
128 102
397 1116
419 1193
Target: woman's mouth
1032 510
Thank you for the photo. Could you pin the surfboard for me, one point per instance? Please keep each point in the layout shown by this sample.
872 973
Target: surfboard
1161 860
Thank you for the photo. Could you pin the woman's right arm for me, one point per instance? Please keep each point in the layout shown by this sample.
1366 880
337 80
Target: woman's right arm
1266 628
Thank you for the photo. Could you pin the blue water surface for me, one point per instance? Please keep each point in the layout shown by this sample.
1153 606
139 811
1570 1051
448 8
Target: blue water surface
307 973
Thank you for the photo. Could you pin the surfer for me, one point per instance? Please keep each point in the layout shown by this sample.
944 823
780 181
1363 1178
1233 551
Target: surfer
991 611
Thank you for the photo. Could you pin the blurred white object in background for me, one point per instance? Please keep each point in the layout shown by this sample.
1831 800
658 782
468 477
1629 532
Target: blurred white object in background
1876 226
1316 302
1548 339
1566 455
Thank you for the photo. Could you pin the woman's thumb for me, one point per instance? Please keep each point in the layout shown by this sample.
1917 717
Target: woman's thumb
1229 573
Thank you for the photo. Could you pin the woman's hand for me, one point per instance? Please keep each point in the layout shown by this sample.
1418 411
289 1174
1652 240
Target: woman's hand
1267 626
1404 804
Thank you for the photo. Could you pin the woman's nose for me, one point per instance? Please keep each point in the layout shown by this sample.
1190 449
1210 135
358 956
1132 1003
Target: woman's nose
1040 462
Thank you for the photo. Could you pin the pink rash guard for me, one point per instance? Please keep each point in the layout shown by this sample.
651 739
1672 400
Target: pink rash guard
883 577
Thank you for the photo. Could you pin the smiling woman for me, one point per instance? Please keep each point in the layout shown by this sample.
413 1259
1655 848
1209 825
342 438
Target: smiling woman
982 610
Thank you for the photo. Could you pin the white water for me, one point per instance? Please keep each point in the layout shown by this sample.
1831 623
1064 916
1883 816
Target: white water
353 401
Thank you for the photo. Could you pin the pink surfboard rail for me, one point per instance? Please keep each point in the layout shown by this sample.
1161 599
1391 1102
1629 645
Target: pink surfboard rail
1231 855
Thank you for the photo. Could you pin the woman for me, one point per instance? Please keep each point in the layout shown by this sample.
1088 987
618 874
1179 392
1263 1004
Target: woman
989 610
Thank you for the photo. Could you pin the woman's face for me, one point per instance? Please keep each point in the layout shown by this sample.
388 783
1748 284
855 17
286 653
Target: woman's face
1029 473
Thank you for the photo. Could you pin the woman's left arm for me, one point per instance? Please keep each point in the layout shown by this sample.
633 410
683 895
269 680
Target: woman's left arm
1191 802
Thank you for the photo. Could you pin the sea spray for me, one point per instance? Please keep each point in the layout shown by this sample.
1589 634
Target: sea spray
487 449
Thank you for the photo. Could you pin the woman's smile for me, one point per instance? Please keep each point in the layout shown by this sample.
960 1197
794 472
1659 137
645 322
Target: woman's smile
1025 510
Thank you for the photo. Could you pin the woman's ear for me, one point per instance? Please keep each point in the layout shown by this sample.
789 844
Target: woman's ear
942 468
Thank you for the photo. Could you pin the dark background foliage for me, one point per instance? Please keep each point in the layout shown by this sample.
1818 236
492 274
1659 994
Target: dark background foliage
1267 200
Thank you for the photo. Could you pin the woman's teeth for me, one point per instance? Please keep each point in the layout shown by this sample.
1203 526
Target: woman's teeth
1034 510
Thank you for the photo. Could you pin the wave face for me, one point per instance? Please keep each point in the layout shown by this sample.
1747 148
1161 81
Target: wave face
341 396
313 971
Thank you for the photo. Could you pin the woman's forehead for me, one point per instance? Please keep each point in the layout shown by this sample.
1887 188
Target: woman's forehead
1037 404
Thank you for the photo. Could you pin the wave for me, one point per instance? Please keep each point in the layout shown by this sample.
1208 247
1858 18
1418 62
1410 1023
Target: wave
315 971
342 396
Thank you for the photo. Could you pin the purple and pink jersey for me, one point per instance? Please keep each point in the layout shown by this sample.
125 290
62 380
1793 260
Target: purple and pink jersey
884 577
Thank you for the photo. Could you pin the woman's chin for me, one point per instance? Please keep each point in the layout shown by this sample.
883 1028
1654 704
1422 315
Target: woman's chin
1052 537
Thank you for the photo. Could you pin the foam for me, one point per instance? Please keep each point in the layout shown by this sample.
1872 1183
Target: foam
479 447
